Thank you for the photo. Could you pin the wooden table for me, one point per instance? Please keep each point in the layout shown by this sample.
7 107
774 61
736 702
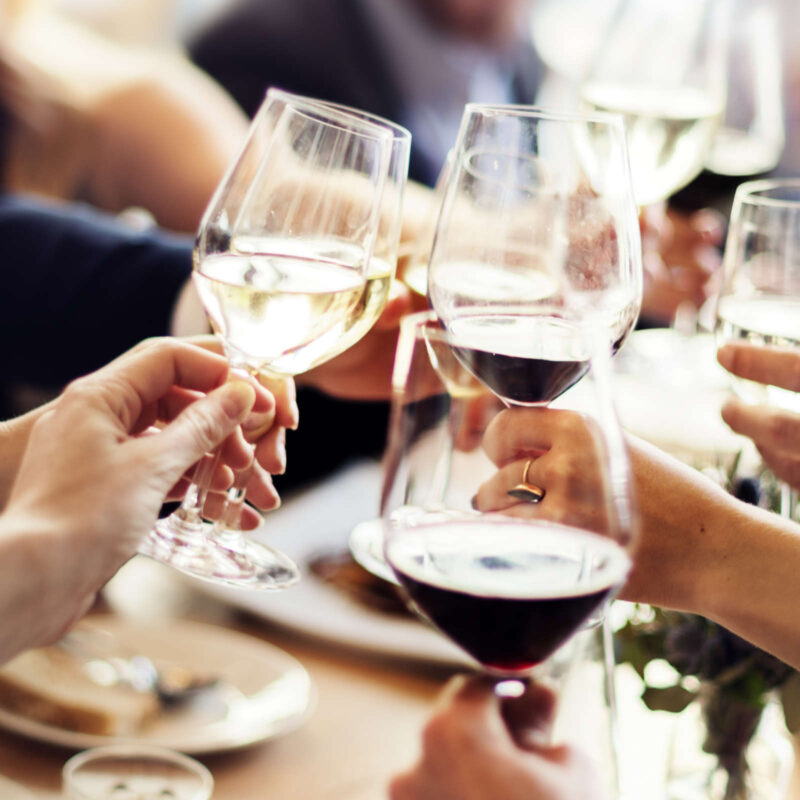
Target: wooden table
364 729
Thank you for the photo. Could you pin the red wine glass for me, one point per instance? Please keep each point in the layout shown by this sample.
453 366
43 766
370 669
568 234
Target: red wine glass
537 236
509 581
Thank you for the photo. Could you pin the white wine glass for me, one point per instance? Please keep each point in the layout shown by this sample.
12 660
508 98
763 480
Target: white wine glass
759 301
537 233
752 134
509 581
663 65
281 265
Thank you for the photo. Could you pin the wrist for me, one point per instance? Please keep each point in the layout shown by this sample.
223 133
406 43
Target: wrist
683 523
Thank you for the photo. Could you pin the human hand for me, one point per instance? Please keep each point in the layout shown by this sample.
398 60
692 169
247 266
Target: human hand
673 539
477 747
90 484
681 259
775 431
564 461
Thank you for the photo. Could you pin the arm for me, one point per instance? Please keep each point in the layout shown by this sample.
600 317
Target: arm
81 288
699 549
117 126
163 141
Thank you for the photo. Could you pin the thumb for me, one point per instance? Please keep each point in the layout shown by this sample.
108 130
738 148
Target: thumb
199 428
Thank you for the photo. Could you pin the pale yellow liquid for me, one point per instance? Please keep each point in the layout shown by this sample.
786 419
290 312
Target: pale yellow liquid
280 313
670 132
367 309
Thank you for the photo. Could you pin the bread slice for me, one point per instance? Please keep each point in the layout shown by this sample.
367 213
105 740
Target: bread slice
49 686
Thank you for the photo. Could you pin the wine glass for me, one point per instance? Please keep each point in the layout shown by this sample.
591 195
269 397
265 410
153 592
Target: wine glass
759 301
508 581
751 134
663 65
537 232
281 264
383 262
135 772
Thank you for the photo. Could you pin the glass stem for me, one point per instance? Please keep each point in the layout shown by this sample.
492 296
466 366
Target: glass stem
191 509
227 530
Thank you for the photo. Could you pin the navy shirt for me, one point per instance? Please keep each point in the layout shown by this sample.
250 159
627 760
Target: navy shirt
81 288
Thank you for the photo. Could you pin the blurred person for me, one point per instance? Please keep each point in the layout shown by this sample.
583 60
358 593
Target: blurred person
84 119
83 478
413 61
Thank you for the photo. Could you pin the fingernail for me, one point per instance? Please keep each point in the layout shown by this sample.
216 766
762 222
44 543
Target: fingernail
237 399
294 410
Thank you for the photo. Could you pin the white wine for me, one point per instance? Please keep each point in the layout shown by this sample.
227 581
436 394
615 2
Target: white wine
366 310
282 313
738 152
670 132
769 320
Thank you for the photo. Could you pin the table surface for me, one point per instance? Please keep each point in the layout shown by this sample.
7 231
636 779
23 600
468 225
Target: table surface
364 728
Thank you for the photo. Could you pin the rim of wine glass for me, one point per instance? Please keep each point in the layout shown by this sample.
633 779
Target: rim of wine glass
337 116
398 131
131 751
753 192
537 112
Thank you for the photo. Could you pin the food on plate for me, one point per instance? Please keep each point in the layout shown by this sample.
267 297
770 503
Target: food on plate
49 685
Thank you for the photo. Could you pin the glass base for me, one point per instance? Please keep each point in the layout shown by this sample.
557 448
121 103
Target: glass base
189 547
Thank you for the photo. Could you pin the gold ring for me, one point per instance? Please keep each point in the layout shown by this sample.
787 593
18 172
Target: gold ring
527 492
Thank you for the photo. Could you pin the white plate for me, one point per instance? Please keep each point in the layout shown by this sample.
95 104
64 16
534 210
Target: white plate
317 520
264 692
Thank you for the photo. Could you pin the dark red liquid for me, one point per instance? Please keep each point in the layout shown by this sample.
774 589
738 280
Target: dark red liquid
509 634
522 380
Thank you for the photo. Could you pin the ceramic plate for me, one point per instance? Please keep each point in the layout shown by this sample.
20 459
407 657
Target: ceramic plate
263 692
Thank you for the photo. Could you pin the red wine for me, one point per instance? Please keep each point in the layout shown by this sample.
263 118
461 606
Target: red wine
528 360
508 593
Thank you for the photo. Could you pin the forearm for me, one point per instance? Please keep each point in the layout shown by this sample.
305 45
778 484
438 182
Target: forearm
705 552
754 584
